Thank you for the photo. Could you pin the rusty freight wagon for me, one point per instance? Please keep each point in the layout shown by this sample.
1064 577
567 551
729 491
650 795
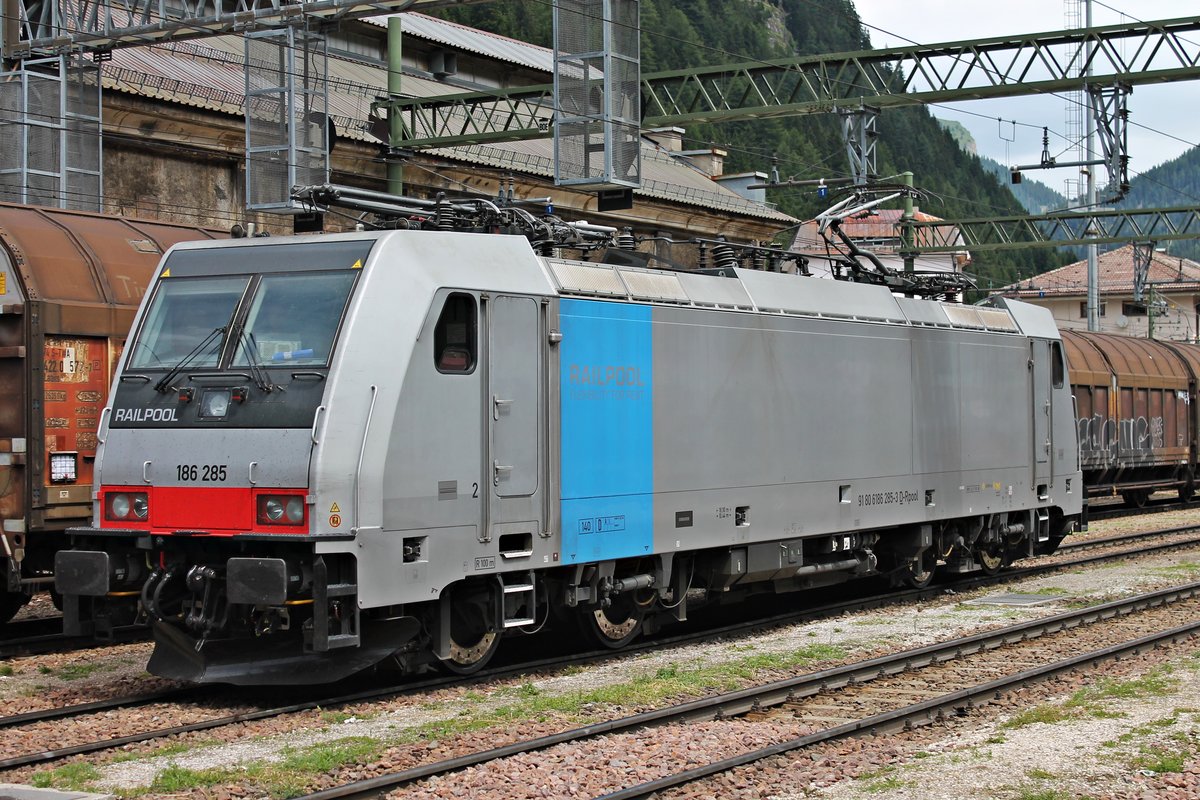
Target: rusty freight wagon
1136 412
70 283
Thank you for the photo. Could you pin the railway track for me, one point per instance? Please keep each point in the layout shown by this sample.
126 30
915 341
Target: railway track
1118 509
46 643
207 697
884 694
30 626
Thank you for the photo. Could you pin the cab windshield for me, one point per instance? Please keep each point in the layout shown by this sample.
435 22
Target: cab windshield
183 315
293 318
276 319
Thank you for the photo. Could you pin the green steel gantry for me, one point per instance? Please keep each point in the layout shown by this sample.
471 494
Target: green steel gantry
1131 54
1102 226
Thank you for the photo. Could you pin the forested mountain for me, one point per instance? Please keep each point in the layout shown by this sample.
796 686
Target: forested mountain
689 33
1172 183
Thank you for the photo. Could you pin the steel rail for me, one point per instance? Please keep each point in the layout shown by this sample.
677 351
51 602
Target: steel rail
1123 538
925 711
778 692
59 712
1098 513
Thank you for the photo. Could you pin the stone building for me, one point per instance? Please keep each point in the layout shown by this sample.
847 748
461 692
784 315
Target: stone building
174 136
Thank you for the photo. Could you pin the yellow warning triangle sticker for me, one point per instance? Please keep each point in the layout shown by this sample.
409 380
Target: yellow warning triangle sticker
333 509
166 273
357 264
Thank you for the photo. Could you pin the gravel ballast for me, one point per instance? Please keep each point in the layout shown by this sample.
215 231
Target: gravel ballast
397 722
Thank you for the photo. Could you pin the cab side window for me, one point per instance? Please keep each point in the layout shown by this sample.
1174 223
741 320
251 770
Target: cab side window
455 337
1058 369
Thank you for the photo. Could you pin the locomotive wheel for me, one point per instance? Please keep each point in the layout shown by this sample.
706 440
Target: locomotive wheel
10 604
472 645
990 559
920 570
1186 493
615 626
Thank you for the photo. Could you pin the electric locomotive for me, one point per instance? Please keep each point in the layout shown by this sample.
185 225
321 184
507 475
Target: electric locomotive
323 453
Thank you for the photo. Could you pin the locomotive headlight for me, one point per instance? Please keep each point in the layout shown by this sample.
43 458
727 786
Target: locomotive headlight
214 403
273 509
287 511
128 505
295 510
119 506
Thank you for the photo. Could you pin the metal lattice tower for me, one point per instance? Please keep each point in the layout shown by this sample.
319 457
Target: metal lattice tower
50 147
1075 103
287 116
597 83
1143 254
859 134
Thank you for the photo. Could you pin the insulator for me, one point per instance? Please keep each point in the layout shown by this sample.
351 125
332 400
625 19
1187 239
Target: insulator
702 256
445 218
758 259
625 240
548 250
724 256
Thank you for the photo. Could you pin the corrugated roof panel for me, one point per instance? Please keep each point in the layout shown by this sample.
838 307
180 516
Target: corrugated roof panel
964 317
647 285
718 292
997 319
577 277
795 294
484 43
923 312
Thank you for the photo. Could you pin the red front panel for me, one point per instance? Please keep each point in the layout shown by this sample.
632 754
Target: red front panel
201 508
211 509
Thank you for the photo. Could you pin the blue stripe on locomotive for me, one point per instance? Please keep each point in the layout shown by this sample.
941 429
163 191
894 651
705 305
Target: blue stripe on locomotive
607 399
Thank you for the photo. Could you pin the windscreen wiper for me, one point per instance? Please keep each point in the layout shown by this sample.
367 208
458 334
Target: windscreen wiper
249 346
165 383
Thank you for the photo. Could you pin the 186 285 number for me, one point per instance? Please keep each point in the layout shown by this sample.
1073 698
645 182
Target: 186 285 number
200 472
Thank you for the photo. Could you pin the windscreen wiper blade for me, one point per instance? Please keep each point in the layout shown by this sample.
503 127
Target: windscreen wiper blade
249 346
165 383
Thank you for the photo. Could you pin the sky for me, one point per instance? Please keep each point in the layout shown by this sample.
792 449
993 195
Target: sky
1169 109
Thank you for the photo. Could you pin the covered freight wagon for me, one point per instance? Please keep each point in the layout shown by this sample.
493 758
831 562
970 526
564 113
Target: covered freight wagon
1136 413
70 283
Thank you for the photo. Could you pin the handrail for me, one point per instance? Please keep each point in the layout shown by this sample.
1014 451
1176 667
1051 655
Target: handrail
362 451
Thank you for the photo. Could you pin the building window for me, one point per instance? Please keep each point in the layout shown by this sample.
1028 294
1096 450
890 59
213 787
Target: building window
1083 309
1131 309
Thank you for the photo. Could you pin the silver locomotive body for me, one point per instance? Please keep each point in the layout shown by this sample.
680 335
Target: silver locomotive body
324 452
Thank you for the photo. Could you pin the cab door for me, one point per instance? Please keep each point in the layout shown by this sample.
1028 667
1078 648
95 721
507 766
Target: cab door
514 411
1043 471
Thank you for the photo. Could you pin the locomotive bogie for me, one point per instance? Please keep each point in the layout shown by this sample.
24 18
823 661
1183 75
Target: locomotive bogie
480 440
